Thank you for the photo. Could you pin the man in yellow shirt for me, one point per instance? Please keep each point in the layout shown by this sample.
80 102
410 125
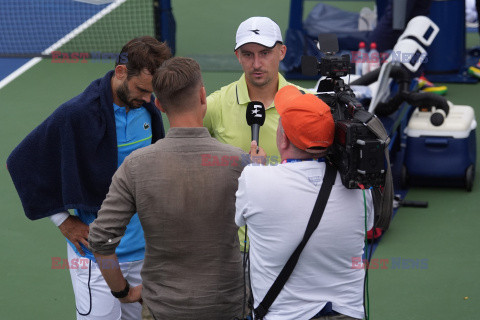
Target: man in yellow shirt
259 48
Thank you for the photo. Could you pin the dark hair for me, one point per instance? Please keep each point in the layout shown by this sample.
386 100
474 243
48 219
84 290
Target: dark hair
143 53
175 81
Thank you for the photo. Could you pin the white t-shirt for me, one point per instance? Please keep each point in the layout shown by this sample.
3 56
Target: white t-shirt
276 203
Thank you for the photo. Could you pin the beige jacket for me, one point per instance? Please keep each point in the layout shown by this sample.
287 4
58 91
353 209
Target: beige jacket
183 188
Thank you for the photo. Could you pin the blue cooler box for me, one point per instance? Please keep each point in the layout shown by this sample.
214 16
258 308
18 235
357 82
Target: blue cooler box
441 155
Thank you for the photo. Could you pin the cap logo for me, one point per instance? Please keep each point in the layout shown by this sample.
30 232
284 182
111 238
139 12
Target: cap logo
256 31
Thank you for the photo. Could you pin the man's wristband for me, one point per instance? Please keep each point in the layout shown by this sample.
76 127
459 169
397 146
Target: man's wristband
123 293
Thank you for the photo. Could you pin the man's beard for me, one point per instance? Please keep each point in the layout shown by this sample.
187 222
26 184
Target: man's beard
123 93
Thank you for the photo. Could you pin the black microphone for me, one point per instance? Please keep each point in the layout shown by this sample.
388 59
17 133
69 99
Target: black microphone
255 118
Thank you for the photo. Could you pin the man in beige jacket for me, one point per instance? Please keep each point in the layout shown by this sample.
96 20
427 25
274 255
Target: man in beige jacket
183 188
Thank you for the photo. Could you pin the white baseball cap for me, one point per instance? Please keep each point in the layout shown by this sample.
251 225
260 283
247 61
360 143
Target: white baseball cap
261 30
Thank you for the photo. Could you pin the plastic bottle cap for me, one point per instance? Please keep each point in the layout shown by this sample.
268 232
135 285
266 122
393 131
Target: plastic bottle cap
361 44
373 45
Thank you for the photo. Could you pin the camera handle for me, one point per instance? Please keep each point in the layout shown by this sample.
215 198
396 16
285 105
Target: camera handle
349 99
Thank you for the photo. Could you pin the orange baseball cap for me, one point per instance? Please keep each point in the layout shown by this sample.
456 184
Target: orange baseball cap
306 119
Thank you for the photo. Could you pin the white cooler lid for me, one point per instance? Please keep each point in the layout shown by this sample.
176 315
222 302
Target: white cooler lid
458 124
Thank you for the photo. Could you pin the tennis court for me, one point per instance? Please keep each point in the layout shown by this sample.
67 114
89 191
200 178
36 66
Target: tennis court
444 237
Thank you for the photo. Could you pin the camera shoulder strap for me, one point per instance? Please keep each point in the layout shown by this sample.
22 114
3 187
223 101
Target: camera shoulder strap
320 204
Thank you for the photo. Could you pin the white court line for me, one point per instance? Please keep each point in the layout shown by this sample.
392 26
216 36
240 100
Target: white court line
72 34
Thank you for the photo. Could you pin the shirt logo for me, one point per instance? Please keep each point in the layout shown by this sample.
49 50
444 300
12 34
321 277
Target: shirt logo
146 126
256 31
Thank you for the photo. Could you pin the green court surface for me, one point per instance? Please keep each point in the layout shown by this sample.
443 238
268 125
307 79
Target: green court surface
433 253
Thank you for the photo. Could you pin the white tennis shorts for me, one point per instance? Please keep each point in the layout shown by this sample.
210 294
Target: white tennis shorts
93 298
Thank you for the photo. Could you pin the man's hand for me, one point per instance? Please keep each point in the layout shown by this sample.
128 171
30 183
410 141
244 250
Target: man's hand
134 295
113 276
76 231
257 154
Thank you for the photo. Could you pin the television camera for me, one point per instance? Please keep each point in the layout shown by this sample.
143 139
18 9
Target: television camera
357 152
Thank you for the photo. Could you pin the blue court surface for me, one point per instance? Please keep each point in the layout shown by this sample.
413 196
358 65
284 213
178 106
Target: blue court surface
29 27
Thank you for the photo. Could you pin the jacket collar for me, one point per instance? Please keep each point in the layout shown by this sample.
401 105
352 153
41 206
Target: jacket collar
178 132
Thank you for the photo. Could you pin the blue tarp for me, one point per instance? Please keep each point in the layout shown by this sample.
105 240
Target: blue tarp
322 19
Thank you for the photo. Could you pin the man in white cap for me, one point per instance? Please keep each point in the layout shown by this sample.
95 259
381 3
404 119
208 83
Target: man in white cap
259 48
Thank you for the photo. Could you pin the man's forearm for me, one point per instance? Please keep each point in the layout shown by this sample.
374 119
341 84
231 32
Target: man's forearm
111 271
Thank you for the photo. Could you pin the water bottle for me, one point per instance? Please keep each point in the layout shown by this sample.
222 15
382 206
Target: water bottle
361 59
373 57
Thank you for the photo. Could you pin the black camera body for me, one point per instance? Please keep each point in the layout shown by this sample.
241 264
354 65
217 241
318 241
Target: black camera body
334 67
357 153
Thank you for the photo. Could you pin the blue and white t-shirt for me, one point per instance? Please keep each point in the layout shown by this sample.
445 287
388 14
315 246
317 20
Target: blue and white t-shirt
134 131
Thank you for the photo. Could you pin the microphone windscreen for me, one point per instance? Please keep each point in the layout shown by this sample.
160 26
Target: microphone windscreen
255 113
309 66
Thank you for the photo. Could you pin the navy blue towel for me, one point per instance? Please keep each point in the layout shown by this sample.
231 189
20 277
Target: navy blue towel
68 161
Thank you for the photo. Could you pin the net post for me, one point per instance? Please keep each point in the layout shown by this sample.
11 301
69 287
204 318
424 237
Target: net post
165 26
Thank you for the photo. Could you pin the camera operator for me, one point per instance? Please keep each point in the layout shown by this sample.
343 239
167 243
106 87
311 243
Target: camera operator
276 202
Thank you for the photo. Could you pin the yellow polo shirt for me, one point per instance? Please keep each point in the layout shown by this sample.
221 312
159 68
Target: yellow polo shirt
226 121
